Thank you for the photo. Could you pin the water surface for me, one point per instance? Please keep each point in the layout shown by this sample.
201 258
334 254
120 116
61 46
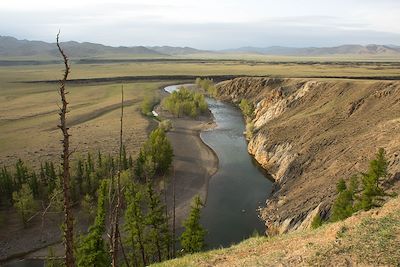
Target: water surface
239 187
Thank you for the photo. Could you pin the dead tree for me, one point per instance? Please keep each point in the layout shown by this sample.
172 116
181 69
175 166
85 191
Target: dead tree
68 216
173 216
115 231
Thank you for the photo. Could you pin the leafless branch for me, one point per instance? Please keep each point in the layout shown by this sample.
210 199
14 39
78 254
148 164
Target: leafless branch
68 217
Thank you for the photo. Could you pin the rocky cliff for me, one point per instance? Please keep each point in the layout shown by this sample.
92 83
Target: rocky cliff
310 133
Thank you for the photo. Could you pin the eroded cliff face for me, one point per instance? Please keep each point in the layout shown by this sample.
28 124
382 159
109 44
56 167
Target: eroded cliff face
310 133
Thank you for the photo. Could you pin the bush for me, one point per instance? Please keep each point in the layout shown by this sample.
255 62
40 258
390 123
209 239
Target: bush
24 203
166 125
207 85
185 102
316 222
249 130
247 108
155 156
148 104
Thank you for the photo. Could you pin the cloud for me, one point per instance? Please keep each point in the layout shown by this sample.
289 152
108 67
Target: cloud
205 24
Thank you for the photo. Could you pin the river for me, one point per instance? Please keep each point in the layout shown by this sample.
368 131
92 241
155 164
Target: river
239 187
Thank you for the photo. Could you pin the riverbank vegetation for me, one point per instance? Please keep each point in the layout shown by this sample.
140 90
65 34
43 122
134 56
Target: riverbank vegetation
207 85
184 102
247 109
148 104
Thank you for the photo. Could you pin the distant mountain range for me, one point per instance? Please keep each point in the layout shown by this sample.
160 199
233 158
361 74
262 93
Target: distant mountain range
320 51
11 47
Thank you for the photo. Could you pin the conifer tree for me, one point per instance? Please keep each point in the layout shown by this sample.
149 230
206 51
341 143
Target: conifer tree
99 160
343 206
371 181
134 225
21 174
156 219
6 186
192 239
34 184
24 202
92 250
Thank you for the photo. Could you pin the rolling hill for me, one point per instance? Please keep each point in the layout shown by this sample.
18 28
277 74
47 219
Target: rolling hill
371 49
12 48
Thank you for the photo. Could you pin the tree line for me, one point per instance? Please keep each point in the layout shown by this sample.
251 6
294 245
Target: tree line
24 187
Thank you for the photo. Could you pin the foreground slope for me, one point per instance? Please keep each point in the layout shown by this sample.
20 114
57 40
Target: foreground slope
367 239
310 133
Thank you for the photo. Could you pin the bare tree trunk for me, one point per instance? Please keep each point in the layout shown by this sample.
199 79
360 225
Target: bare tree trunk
123 250
173 216
166 214
115 233
68 216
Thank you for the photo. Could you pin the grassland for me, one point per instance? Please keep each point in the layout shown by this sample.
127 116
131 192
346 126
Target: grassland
29 115
28 111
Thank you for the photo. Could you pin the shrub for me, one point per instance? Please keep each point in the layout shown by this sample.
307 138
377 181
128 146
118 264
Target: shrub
148 104
185 102
24 202
207 85
247 108
316 222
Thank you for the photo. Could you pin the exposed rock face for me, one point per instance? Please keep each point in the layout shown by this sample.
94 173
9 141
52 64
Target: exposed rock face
309 134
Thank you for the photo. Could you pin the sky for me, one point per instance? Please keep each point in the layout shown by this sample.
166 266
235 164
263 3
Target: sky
205 24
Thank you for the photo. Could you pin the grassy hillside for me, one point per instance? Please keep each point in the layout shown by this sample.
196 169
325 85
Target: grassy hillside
367 239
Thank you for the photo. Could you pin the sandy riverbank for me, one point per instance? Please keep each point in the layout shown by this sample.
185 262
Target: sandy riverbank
194 161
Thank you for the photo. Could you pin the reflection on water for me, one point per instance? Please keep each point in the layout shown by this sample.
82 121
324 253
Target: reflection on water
238 188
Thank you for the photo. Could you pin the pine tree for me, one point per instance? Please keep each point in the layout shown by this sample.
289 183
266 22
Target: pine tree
371 180
130 162
134 224
158 223
6 186
92 250
343 205
79 176
34 184
159 149
99 160
21 174
192 239
138 168
24 202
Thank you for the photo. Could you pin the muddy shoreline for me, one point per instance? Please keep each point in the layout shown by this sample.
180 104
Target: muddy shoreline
195 162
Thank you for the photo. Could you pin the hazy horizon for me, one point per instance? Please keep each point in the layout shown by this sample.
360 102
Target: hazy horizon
224 49
205 25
